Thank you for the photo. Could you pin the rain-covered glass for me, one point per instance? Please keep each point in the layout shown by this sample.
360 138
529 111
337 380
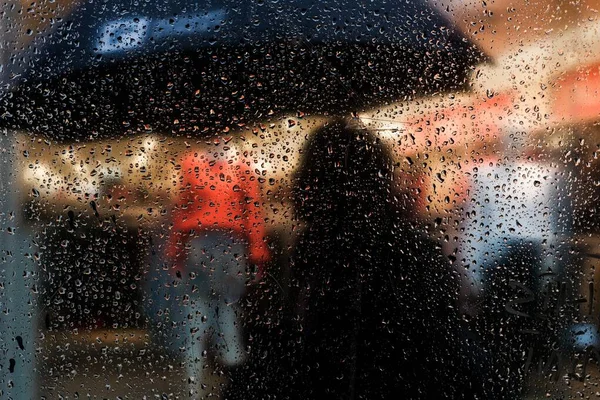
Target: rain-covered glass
293 199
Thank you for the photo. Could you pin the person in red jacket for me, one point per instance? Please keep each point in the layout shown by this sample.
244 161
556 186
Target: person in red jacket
218 233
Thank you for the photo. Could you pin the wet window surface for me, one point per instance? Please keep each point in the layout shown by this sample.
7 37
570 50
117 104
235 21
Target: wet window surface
299 200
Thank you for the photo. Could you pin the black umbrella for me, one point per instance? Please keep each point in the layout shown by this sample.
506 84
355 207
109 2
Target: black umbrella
113 66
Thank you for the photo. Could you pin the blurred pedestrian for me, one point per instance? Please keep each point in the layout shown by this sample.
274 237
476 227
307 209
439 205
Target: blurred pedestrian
218 236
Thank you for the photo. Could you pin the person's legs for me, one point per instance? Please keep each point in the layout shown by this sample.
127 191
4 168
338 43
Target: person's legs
195 296
481 250
229 343
215 279
197 333
228 288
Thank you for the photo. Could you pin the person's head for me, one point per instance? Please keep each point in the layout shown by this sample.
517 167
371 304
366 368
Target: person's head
345 171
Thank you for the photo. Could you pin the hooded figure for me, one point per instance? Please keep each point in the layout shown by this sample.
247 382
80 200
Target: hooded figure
375 314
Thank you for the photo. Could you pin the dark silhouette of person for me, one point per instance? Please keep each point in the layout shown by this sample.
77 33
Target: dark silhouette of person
374 296
371 307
